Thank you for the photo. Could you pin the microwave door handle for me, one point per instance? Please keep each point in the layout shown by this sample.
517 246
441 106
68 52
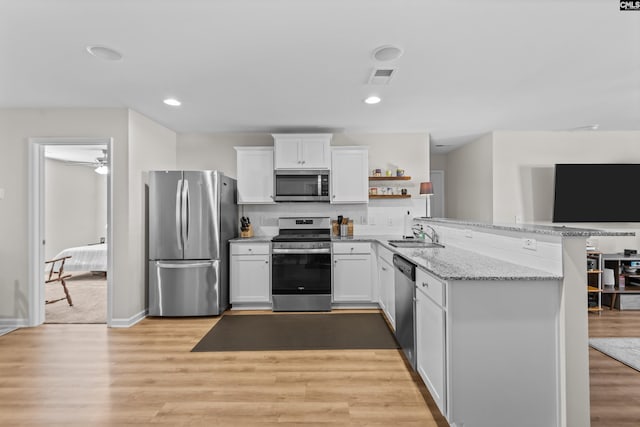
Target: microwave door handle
179 214
319 184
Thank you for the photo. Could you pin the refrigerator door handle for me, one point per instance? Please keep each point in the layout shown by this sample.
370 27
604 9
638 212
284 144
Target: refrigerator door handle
179 214
186 210
185 264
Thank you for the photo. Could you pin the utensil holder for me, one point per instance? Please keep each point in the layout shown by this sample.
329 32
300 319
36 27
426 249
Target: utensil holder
248 232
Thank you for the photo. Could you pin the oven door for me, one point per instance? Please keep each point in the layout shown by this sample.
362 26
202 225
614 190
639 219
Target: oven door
301 271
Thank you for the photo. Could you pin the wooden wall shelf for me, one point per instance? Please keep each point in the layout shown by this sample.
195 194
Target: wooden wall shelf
389 178
389 196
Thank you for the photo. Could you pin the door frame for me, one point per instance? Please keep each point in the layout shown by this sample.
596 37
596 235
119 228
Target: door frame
36 301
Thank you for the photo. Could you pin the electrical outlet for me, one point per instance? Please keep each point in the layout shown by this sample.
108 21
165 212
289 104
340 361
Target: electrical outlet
468 233
1 193
363 219
530 244
372 220
518 219
389 221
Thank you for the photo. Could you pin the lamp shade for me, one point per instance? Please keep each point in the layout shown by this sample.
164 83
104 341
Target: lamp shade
426 188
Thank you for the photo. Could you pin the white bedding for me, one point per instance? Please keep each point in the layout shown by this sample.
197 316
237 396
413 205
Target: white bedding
85 258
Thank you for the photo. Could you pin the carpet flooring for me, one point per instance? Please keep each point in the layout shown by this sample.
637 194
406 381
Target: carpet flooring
298 332
625 350
89 295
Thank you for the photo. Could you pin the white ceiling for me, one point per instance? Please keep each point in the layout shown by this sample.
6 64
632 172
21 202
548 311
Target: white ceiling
469 66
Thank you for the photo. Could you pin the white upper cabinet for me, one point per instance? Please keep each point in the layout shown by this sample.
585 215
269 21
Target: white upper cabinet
302 151
349 175
255 174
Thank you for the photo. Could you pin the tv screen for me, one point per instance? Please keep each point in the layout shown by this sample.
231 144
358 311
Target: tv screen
597 193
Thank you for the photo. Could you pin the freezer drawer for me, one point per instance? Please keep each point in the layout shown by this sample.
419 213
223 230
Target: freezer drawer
184 288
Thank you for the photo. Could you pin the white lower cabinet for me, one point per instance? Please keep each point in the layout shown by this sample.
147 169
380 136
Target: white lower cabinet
386 285
431 346
352 272
250 273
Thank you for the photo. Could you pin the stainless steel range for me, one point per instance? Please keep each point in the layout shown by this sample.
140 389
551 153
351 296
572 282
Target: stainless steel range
301 265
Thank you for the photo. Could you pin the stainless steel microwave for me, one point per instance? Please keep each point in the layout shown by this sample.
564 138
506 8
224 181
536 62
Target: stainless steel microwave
301 185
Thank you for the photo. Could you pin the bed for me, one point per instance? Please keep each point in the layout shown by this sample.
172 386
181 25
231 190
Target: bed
85 258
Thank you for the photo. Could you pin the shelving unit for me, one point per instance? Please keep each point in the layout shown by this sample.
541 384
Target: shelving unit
625 297
389 196
389 178
594 282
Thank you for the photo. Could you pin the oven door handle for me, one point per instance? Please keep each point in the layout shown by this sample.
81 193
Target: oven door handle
301 251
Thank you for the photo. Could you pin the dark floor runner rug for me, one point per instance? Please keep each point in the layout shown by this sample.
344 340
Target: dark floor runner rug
298 332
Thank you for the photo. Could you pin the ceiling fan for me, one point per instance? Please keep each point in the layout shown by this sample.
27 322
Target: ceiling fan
101 163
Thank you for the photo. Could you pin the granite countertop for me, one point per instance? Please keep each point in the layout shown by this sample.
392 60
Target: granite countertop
556 230
254 239
448 263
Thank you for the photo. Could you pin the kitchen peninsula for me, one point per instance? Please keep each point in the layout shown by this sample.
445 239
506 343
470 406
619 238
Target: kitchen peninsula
501 325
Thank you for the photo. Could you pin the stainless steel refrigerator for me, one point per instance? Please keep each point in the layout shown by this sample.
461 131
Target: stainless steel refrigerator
192 216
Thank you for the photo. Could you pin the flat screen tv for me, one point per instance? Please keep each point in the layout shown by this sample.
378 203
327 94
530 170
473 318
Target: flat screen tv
597 193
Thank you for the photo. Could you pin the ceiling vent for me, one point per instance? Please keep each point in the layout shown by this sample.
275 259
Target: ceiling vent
381 76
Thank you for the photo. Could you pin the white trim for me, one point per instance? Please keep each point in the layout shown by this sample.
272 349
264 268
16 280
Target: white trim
13 323
5 331
36 222
127 323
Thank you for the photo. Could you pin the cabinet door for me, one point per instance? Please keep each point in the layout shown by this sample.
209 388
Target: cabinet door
250 279
352 278
255 174
287 153
315 153
349 179
387 291
431 347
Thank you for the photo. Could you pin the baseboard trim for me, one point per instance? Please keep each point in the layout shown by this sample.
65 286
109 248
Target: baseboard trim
13 323
4 331
127 323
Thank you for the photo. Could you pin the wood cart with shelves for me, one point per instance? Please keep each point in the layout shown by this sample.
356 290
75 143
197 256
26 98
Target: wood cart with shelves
389 196
594 281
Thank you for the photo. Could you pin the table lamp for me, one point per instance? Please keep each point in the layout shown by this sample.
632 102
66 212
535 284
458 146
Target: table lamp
426 188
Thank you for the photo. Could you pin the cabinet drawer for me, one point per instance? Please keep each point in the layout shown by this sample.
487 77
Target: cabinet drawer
385 254
352 248
432 287
250 248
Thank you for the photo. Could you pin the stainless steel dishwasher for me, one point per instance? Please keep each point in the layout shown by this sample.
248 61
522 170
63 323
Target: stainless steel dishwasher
405 292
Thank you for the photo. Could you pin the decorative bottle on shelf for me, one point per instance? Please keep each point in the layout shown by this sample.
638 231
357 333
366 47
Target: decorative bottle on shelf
621 279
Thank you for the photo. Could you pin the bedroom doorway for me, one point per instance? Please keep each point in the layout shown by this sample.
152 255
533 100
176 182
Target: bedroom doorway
70 215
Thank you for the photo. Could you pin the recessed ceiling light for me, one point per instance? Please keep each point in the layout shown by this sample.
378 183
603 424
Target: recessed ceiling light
173 102
372 100
387 53
105 53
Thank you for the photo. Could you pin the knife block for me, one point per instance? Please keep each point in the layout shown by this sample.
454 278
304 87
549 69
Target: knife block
247 232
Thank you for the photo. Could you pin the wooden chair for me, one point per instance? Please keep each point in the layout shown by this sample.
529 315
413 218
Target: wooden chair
56 274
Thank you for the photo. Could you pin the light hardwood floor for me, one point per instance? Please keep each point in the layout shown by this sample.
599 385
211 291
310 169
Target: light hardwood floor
81 375
615 388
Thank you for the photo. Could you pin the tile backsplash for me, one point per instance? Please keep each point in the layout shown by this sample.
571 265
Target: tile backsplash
376 218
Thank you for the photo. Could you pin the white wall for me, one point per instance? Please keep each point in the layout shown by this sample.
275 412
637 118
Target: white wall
151 147
16 127
71 212
469 182
438 161
523 175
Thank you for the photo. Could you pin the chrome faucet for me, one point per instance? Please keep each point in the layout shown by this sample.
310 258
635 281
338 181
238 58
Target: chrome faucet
418 232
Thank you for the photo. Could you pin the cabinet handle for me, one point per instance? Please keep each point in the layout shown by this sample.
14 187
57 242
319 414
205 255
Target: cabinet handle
384 268
266 262
425 285
333 197
335 262
250 249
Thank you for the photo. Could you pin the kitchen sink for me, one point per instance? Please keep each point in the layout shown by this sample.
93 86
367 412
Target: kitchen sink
409 243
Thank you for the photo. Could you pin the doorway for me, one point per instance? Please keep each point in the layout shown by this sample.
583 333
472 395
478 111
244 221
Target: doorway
39 230
437 200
